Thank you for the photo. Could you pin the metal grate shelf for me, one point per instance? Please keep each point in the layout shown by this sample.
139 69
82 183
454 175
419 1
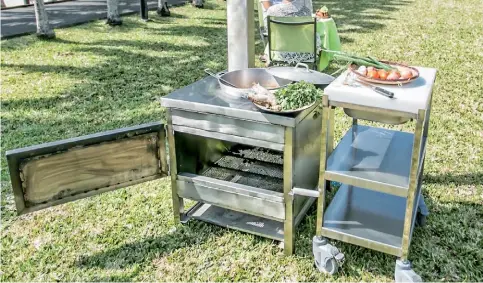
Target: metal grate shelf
252 167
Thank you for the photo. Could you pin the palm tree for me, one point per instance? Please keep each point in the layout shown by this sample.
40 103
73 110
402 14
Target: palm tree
44 30
163 9
113 18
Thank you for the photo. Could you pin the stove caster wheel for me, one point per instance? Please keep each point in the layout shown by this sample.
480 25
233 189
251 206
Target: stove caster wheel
405 273
327 258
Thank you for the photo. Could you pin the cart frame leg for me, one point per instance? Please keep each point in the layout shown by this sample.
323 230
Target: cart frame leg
413 183
330 138
178 203
403 271
422 208
288 227
323 163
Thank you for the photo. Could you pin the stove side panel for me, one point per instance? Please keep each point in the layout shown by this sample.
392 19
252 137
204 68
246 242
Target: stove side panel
306 156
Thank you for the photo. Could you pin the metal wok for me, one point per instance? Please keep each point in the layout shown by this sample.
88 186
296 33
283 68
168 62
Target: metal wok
237 84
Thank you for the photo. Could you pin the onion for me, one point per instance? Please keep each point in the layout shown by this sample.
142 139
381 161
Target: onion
406 74
393 76
362 70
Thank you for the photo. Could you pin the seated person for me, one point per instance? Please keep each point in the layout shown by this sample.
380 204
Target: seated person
267 3
288 8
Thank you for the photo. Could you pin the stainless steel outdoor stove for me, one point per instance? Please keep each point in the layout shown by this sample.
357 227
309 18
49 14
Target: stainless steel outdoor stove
241 164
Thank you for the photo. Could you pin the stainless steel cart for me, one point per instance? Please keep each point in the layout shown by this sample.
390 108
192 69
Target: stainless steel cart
379 201
240 164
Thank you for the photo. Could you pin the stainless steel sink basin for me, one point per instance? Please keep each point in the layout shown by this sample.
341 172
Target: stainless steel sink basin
376 117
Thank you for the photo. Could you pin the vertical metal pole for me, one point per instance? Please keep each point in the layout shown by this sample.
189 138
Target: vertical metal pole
240 32
354 131
413 184
178 205
144 10
330 137
323 164
288 227
330 132
251 33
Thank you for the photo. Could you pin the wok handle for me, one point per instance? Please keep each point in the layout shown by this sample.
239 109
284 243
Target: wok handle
302 65
208 71
218 76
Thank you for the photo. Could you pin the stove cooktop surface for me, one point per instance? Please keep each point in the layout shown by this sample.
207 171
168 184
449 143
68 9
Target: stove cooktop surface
206 96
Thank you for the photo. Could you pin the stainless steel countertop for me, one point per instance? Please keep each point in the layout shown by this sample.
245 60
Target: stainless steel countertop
205 96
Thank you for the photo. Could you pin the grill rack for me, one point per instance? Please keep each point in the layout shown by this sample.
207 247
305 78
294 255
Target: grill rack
254 167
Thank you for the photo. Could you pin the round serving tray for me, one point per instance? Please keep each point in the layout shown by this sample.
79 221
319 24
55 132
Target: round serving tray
353 69
283 112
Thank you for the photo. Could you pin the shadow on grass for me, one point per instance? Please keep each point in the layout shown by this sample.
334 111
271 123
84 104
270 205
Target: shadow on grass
360 16
457 179
134 74
439 250
192 235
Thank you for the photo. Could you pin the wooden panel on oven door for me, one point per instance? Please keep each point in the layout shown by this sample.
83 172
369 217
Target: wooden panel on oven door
63 171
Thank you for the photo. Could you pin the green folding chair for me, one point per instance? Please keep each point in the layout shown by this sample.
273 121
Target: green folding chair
292 34
261 22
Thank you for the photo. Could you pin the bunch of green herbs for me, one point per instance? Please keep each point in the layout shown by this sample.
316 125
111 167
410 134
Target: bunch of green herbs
297 95
359 60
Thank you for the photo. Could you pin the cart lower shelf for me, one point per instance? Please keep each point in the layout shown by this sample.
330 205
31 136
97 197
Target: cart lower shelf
366 218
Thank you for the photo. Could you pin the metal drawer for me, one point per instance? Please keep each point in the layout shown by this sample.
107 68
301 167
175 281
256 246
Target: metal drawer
229 126
238 197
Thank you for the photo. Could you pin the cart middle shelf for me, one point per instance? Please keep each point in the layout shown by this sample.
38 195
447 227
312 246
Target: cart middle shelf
373 158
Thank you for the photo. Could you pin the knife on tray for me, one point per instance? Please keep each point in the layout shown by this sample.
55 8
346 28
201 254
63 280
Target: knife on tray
377 89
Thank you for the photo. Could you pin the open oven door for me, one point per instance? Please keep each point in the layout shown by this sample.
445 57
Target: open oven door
62 171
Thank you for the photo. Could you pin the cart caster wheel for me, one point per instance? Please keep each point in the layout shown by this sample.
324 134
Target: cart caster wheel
421 219
404 272
327 258
422 212
330 267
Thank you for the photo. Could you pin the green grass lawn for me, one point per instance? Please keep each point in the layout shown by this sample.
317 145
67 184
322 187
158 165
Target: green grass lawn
94 78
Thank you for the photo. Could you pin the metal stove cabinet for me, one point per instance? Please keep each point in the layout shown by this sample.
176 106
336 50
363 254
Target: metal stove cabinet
379 201
240 164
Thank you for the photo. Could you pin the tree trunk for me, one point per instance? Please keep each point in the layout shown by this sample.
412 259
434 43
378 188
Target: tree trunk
163 9
44 30
197 3
113 18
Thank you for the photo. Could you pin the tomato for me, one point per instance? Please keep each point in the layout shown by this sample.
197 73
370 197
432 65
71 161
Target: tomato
372 74
382 74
